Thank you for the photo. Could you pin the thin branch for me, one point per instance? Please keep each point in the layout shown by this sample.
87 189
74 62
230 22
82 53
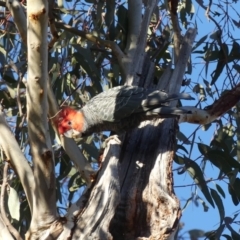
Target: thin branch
195 184
212 112
177 37
106 43
52 25
19 16
2 205
227 100
4 233
135 58
134 26
178 73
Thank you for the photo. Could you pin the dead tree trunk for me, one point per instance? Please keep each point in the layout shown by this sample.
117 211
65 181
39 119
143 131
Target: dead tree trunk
133 196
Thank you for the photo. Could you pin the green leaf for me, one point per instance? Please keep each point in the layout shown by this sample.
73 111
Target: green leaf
198 88
122 15
196 233
25 213
196 173
233 194
219 231
3 54
65 167
192 143
235 52
186 204
201 40
220 190
203 149
235 187
216 35
72 179
208 88
227 236
215 157
220 144
205 206
211 56
217 199
91 150
211 235
179 160
84 57
14 204
234 234
221 63
183 138
236 67
180 147
219 158
58 191
109 18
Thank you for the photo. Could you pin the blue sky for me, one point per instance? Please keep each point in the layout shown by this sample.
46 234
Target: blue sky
193 216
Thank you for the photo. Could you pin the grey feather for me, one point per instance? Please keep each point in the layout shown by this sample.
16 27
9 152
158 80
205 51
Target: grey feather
125 106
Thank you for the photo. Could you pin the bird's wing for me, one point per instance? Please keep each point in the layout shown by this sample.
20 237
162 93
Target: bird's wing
117 103
120 102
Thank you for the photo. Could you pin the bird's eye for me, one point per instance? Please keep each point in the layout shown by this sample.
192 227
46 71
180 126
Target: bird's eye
69 123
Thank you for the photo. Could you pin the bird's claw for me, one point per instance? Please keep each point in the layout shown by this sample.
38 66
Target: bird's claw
115 138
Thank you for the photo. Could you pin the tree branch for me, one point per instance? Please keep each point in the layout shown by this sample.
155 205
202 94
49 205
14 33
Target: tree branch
106 43
177 37
8 224
19 16
52 25
103 200
134 26
44 202
137 56
175 82
204 116
4 233
17 159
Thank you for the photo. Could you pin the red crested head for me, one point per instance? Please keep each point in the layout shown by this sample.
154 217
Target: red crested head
69 119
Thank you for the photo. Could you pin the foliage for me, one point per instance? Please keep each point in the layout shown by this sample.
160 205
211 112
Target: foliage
81 66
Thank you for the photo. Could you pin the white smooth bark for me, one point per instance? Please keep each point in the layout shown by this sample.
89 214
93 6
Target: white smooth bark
44 203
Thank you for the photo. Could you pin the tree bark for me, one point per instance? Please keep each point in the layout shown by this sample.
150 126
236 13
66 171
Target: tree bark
133 197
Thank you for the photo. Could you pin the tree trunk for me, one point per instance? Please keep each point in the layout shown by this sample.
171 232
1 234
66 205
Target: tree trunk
133 197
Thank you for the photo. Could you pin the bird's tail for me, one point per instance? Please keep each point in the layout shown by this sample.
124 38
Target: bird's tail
177 96
159 98
166 111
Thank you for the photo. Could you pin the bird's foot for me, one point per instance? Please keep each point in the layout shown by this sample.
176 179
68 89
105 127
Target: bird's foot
113 137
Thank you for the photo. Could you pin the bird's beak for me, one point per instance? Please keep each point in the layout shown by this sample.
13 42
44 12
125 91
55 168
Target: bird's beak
72 134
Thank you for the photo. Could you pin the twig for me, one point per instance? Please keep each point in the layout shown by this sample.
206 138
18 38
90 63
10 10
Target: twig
52 117
18 161
17 11
195 184
177 37
52 24
2 205
18 95
106 43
